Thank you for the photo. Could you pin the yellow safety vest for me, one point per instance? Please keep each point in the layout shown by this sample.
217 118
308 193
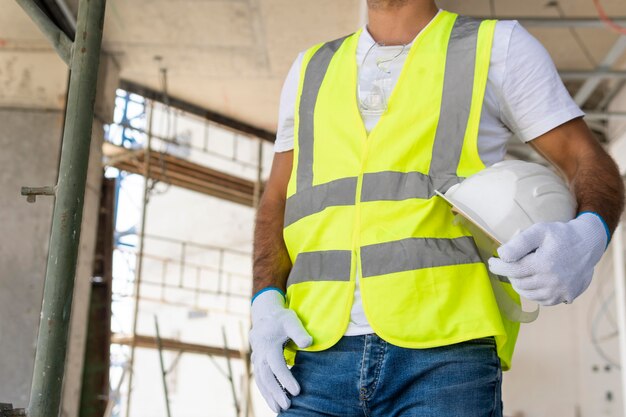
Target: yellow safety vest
365 204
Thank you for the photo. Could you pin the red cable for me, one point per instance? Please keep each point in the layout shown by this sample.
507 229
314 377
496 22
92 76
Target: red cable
607 20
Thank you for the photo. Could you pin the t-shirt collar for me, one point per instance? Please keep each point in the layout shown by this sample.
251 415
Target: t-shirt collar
369 40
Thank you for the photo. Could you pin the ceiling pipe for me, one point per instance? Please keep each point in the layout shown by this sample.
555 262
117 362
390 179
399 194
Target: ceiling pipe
556 23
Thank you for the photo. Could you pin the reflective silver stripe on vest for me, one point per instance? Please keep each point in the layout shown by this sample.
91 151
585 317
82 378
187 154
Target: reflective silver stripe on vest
331 265
407 254
313 78
456 103
396 186
312 200
391 185
416 253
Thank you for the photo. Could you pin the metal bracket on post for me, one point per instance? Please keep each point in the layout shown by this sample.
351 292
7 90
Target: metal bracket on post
7 410
31 193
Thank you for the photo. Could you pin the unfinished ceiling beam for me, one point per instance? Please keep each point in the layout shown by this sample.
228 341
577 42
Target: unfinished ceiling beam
227 122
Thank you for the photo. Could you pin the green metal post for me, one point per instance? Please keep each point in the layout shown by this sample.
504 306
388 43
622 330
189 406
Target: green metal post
59 40
68 209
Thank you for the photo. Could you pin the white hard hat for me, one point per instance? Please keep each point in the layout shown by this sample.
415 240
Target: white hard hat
510 196
502 200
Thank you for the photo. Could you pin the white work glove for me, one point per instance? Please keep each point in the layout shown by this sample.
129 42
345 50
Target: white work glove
273 326
552 263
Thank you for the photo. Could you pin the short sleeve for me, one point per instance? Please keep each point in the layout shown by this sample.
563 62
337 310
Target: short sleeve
284 134
533 99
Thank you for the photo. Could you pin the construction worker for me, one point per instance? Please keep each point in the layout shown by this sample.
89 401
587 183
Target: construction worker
362 281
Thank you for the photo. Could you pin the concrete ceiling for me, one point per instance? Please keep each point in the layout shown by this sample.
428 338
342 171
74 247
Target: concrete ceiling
231 56
31 73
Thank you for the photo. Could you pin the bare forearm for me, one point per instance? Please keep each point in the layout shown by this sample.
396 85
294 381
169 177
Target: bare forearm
591 172
598 187
271 263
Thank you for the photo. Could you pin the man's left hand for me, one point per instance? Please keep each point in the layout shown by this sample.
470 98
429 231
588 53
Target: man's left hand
552 263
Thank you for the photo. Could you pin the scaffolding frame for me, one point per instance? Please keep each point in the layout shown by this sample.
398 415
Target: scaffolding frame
242 404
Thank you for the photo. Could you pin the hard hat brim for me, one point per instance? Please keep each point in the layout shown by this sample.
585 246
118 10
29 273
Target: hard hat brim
459 210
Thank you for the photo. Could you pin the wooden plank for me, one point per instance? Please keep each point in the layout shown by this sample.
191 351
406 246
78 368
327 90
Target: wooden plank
183 173
221 179
149 342
202 187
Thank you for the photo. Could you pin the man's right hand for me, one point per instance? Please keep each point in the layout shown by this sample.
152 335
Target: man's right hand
273 325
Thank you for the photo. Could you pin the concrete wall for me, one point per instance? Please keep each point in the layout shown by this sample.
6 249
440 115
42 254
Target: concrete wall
82 286
556 369
30 143
105 102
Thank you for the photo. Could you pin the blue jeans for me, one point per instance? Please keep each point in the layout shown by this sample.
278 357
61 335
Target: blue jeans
366 376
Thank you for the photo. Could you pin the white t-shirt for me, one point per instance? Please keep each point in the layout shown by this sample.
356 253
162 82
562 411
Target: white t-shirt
525 97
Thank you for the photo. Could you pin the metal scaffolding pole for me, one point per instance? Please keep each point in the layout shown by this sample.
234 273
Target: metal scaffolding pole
83 57
590 85
163 371
230 376
259 177
246 409
59 40
142 238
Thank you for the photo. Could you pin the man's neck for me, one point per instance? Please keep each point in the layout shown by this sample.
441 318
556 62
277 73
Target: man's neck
398 23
